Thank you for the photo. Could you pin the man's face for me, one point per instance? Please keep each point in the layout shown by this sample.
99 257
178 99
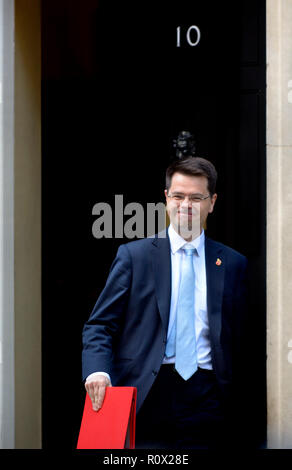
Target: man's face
187 213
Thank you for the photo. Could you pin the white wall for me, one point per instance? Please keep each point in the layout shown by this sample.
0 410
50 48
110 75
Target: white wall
279 223
20 224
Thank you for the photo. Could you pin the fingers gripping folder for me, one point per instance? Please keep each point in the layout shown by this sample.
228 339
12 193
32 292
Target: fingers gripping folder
113 426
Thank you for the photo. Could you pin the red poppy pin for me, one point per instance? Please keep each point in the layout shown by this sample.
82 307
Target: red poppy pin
218 262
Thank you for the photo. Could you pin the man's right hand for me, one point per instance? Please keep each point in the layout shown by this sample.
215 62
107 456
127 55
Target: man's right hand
95 388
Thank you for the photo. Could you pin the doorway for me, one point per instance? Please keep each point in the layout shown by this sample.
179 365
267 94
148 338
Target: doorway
118 84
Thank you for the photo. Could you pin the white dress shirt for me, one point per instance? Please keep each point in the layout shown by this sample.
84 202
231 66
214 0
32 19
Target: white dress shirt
200 304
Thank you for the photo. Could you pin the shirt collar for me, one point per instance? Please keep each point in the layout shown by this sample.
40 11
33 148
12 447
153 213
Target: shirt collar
177 242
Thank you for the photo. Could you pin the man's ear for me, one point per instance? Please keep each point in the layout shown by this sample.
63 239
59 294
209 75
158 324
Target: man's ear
213 200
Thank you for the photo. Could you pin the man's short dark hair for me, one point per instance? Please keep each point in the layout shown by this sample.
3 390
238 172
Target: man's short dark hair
193 166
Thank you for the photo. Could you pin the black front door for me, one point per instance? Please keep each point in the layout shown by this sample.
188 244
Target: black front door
119 81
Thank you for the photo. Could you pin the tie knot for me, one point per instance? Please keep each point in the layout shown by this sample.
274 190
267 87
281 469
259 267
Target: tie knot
189 251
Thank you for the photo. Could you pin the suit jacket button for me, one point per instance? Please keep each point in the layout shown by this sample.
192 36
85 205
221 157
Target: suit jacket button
154 373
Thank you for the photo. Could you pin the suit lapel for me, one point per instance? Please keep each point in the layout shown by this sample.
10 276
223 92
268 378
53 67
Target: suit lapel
215 269
161 264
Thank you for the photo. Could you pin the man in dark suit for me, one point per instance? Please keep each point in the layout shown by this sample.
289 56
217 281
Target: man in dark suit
170 321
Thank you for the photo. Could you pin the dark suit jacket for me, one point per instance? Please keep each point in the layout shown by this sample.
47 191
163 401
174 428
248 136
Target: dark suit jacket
127 330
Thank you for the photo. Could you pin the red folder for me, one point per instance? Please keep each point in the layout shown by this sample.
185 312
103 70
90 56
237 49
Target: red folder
113 426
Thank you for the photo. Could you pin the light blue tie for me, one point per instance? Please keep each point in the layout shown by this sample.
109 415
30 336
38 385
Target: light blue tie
182 340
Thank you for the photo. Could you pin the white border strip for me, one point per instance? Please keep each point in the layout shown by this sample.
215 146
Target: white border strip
7 379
